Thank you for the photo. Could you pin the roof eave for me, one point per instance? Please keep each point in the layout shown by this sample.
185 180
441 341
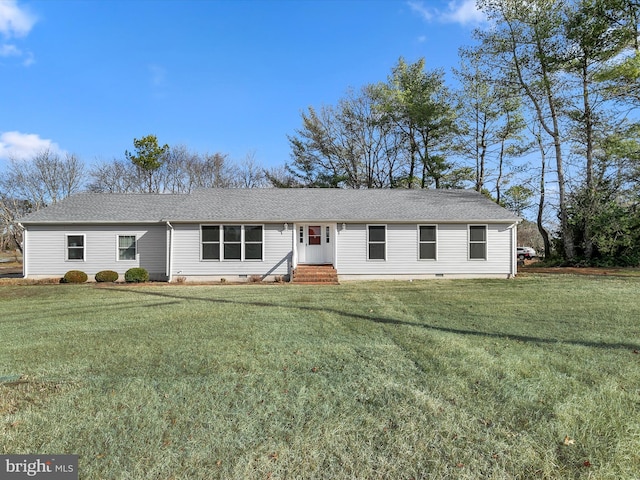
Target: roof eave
347 220
93 222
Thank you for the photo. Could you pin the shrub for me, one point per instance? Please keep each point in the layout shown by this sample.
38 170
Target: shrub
136 275
107 276
74 276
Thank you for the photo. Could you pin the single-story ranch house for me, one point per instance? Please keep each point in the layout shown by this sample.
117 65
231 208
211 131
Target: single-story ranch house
240 234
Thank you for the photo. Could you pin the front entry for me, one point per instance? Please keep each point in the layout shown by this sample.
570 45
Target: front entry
315 244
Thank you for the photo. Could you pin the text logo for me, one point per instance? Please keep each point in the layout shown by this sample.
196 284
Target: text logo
46 467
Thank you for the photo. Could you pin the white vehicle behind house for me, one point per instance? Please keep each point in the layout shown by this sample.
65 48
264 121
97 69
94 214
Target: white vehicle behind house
525 253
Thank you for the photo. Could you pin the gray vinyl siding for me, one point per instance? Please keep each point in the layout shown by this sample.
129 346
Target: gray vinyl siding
46 249
452 250
276 259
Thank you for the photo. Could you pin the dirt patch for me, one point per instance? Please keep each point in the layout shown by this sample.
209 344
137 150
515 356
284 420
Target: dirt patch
617 272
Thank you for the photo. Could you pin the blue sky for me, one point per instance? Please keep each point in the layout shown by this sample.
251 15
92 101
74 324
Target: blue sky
87 77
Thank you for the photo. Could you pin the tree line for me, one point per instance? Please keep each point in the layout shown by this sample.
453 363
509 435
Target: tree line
48 177
542 118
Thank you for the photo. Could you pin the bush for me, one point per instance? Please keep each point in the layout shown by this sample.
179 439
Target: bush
74 276
136 275
107 276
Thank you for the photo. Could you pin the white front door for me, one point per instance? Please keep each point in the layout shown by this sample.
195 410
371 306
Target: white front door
315 244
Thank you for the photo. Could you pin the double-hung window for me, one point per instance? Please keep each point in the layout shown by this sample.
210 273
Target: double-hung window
377 242
210 235
253 242
477 242
427 242
75 247
231 242
126 247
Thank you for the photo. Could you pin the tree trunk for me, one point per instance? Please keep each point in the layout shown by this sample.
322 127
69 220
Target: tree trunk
549 86
588 130
541 229
500 169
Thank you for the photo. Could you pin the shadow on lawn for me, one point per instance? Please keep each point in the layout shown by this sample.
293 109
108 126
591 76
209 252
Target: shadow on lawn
387 321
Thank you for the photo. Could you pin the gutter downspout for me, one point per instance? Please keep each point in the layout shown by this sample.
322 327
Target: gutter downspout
24 250
514 241
170 253
294 251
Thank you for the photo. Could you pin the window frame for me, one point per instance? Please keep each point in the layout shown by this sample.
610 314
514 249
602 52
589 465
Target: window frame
484 242
376 242
434 242
314 237
119 249
209 242
252 242
225 242
83 248
242 242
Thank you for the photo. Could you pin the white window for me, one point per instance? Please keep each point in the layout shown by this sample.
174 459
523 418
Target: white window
231 242
477 242
210 236
75 247
253 242
427 242
126 247
376 242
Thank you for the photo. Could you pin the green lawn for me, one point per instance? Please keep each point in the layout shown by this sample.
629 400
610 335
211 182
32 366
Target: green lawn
537 377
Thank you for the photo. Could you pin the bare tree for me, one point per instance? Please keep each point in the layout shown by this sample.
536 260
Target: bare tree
117 176
250 173
212 171
352 144
30 185
45 179
180 171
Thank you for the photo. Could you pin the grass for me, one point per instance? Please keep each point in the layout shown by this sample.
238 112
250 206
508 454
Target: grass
537 377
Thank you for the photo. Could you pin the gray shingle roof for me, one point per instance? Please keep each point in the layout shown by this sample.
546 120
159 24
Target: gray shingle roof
108 208
277 205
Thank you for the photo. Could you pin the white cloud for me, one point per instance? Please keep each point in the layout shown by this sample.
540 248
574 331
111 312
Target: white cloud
15 21
28 59
463 12
421 10
23 146
8 50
